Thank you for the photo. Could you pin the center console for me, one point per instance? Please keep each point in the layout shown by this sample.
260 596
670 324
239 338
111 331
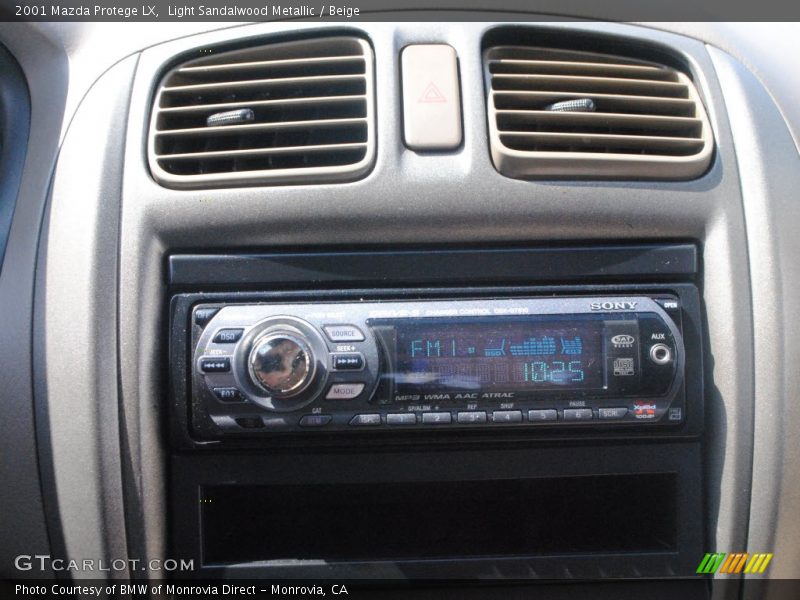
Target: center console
541 421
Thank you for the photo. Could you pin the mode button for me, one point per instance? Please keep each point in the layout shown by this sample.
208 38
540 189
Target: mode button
344 391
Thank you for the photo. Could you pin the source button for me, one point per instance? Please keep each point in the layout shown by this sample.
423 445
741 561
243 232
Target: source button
343 333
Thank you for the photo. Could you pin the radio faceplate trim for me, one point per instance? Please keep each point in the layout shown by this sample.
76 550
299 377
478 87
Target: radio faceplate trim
185 332
283 427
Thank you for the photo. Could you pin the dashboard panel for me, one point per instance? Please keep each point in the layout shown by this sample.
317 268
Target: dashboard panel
127 442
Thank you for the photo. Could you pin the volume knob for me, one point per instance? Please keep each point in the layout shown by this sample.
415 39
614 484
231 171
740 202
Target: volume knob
281 363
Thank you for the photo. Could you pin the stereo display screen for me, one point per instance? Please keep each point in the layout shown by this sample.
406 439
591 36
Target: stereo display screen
510 354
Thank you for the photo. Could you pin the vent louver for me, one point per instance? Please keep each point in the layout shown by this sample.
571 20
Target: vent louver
567 114
291 112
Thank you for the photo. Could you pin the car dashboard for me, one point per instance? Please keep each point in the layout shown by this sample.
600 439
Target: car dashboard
413 301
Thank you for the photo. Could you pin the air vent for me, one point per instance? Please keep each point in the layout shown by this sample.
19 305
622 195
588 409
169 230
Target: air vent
293 112
564 114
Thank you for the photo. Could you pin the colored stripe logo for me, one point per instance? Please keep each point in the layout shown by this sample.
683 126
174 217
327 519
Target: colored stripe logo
733 563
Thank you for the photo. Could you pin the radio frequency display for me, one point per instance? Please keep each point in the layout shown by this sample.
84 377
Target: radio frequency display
510 354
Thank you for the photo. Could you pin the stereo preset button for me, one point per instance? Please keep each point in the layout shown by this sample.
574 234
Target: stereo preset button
475 416
401 419
353 361
617 412
577 414
542 415
368 419
507 416
437 418
315 420
344 391
215 365
343 333
228 394
228 336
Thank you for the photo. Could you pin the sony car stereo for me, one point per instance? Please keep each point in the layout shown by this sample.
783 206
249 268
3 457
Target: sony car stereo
346 366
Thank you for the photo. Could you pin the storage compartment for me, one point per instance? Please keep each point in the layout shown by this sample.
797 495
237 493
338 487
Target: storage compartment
605 514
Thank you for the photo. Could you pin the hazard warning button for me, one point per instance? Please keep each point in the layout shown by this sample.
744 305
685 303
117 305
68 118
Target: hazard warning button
431 100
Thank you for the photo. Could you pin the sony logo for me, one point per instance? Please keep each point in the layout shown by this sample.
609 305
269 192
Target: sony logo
613 305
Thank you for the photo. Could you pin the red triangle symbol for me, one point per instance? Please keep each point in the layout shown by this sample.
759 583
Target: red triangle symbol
431 94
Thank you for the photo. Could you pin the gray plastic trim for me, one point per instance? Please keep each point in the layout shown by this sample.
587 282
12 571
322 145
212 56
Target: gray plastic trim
28 523
769 185
76 345
417 267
